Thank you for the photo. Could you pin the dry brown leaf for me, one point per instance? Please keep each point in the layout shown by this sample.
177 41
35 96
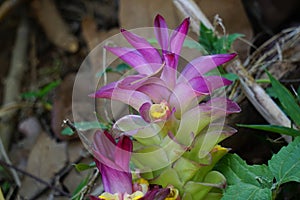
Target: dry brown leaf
46 158
54 26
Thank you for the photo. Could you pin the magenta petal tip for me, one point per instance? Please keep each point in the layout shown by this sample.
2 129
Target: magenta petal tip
223 58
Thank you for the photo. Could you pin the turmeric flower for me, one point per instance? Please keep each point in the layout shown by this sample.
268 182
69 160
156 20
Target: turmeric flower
161 96
112 159
178 124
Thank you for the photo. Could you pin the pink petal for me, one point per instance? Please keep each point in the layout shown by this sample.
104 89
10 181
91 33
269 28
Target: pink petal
161 32
104 91
113 162
153 87
178 36
123 153
156 92
103 143
133 58
220 106
132 82
183 97
130 97
144 112
115 181
204 64
206 85
143 46
169 72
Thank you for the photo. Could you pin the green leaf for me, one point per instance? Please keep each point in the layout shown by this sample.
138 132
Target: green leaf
230 76
186 169
286 99
207 38
244 191
167 177
76 194
214 44
199 190
41 92
285 165
83 126
46 89
233 37
273 128
237 171
121 68
82 166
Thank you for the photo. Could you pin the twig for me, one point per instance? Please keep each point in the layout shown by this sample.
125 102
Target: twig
5 157
3 163
190 9
86 189
54 26
63 172
13 80
7 6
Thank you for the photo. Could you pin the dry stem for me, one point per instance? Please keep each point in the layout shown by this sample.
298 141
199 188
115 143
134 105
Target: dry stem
54 26
13 81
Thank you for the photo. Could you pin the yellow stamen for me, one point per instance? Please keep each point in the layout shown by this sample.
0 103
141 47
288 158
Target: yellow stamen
143 184
135 196
159 111
109 196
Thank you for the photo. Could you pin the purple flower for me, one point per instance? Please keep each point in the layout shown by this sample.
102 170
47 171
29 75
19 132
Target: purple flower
112 159
156 92
169 104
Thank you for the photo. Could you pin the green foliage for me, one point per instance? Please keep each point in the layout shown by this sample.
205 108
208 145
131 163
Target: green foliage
274 129
244 191
84 126
83 166
77 194
288 103
214 44
286 99
230 76
260 181
41 93
285 165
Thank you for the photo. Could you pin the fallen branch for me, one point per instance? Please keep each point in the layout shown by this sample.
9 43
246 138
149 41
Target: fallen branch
3 155
13 81
7 6
54 26
188 8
